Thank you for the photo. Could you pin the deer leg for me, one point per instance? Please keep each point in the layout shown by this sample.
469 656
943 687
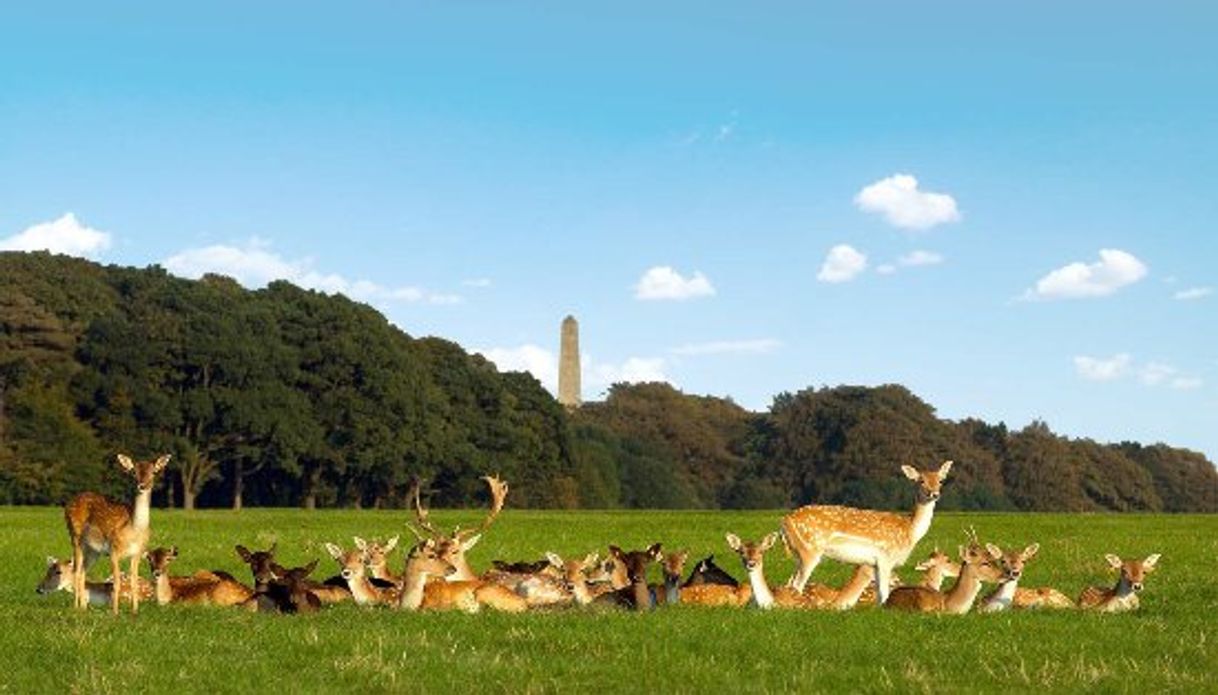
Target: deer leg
78 575
115 582
806 561
883 579
134 582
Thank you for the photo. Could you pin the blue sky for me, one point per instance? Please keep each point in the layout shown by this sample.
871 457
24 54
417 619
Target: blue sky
1008 209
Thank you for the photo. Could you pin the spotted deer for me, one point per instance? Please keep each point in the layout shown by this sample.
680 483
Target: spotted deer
975 566
60 576
452 547
636 595
1010 566
465 595
1027 598
201 588
100 526
352 570
752 556
883 540
1123 596
574 576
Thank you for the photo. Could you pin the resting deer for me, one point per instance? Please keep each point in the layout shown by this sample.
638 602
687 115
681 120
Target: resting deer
264 568
376 557
1041 597
752 556
1123 596
61 577
469 595
707 572
975 566
671 567
936 568
862 536
363 591
574 576
637 595
100 526
453 546
287 591
202 588
1010 568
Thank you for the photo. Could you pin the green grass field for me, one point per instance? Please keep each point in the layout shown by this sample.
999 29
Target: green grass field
1170 645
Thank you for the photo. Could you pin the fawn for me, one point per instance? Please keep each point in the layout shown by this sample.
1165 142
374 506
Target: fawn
636 595
1010 567
574 576
936 568
61 576
99 526
752 556
1123 596
862 536
363 591
204 587
376 557
975 566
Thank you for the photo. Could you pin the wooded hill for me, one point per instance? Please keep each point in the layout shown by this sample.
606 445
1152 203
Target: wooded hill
285 396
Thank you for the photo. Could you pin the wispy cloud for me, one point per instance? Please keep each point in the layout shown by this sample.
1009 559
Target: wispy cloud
920 258
1121 365
255 264
1115 269
1193 293
903 205
759 346
842 264
663 282
477 283
1102 368
65 235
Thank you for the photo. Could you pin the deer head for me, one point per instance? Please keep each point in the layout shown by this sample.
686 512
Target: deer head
751 554
261 563
941 560
144 472
159 559
636 561
451 547
930 483
673 566
58 577
1133 572
375 554
574 571
1010 564
351 562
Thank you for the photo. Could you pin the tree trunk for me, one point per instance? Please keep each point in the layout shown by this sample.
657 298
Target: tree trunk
310 493
188 498
238 484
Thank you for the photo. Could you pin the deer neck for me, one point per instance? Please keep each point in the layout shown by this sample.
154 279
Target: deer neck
412 589
362 590
642 595
762 596
464 573
163 590
964 592
1123 588
1003 597
381 571
141 511
579 590
933 579
672 589
924 512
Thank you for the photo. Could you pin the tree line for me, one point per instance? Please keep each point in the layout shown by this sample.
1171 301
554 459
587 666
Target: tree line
286 396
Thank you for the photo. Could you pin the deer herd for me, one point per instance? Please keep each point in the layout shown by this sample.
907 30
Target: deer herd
436 574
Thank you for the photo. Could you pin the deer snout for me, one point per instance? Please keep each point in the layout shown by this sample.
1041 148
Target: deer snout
1137 586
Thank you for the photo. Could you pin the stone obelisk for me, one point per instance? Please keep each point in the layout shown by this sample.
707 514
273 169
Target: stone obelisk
568 364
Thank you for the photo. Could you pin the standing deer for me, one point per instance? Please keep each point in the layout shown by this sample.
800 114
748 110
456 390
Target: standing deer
975 567
1010 568
1123 596
100 526
862 536
752 556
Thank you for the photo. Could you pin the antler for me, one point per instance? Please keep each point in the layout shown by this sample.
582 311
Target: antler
421 514
971 535
499 491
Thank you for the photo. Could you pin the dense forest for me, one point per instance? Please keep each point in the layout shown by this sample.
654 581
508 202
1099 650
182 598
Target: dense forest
285 396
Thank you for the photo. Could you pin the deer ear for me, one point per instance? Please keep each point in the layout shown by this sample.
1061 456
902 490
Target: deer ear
335 551
470 542
360 543
922 566
273 548
733 541
911 473
1149 563
308 569
173 551
768 541
391 544
995 551
51 561
655 551
161 463
554 559
590 561
615 551
1113 561
243 553
1030 551
945 469
126 462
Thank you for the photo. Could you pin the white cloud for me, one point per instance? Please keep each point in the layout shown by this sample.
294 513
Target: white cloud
1155 373
1186 383
728 347
479 283
917 258
595 376
885 269
1101 369
663 282
898 199
65 235
255 264
842 264
1193 293
1114 270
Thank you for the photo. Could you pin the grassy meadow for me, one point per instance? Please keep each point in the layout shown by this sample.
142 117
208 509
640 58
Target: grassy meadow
1170 645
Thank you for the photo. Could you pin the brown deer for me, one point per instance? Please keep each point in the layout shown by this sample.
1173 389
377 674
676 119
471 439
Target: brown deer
376 557
264 568
1123 596
61 576
936 568
1041 597
671 567
752 556
574 576
202 588
707 572
451 547
469 595
637 595
1010 568
422 565
363 591
100 526
975 566
287 591
862 536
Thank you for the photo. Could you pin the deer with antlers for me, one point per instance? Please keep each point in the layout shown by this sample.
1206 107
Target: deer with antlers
976 565
452 547
1123 596
862 536
100 526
